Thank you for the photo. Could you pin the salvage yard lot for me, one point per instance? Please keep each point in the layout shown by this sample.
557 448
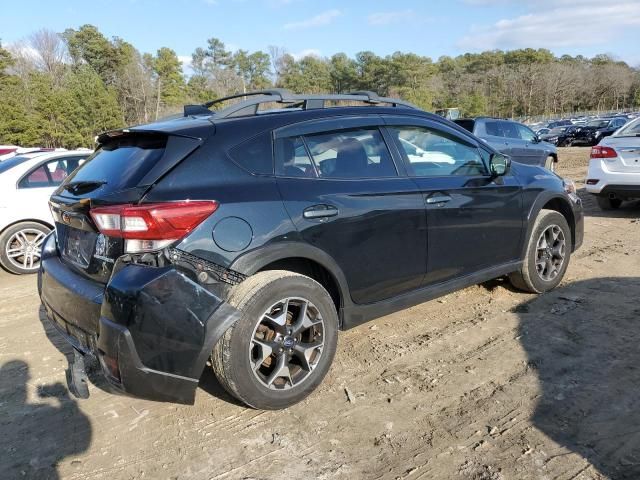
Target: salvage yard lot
485 383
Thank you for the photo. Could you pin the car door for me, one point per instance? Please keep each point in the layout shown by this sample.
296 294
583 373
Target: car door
474 221
36 186
534 150
346 196
494 135
517 147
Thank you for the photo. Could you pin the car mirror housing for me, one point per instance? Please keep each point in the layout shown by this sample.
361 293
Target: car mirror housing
499 164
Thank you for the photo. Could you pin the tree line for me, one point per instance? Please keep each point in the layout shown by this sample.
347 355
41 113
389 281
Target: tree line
61 89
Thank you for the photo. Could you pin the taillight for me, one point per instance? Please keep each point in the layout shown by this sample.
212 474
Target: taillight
151 226
603 152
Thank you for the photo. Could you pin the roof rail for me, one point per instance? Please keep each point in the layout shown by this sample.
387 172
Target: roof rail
249 106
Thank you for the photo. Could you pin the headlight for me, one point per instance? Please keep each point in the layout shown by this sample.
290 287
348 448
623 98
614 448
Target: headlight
597 134
569 186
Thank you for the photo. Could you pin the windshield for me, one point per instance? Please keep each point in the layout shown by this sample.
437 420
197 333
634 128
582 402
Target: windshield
12 162
557 130
631 128
598 123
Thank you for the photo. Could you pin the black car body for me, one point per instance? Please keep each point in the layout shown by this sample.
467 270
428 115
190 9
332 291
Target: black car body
596 130
560 136
341 195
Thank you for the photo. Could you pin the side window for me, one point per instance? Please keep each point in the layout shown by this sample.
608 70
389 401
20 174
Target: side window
293 160
431 153
38 177
493 129
525 133
360 153
254 155
510 130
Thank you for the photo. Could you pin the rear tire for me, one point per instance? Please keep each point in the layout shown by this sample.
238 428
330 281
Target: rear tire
283 345
21 246
548 254
606 203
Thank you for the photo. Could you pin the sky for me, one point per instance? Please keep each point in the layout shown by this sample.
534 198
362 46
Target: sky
430 27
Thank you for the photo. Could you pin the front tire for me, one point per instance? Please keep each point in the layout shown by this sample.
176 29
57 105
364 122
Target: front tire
21 246
283 345
548 254
606 203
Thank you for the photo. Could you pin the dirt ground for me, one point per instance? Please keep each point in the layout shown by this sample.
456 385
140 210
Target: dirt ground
486 383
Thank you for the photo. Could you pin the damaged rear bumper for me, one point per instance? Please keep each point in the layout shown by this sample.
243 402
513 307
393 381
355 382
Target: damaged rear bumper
152 329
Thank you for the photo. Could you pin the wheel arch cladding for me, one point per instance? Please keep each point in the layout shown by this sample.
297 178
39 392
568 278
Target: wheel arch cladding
556 203
312 269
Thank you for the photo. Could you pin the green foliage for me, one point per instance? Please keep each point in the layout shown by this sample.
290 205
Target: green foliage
109 84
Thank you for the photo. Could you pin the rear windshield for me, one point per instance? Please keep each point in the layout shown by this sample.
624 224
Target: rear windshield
123 162
631 128
466 124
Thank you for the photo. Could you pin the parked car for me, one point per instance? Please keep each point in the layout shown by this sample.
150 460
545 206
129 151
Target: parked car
26 183
596 130
614 169
513 139
560 136
559 123
251 238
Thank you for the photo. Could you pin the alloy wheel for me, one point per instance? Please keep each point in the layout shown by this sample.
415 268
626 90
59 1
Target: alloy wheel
23 249
287 343
550 253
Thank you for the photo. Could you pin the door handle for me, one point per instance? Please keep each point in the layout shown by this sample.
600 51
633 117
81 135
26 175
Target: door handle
438 199
320 211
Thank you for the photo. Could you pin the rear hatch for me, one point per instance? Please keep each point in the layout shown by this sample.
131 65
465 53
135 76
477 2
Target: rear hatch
120 172
628 150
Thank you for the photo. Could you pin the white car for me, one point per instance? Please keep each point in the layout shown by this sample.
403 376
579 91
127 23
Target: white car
614 168
26 183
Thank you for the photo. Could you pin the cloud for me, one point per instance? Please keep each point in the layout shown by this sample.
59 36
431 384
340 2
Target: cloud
324 18
557 24
309 52
386 18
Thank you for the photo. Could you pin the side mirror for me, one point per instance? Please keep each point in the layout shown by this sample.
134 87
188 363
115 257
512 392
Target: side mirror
499 164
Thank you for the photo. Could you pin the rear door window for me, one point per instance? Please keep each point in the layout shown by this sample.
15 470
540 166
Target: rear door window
510 130
358 153
254 155
493 129
52 173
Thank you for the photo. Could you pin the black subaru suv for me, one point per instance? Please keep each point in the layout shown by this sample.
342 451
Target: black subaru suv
247 236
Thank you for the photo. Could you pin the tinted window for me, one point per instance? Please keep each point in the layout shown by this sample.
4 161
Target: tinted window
493 129
466 124
122 163
293 160
254 155
431 153
632 128
525 133
510 130
359 153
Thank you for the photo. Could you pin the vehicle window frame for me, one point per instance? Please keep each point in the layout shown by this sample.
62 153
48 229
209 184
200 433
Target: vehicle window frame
506 125
527 129
323 127
51 183
444 132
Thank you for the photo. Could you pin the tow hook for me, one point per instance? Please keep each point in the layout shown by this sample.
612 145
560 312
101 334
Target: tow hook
77 379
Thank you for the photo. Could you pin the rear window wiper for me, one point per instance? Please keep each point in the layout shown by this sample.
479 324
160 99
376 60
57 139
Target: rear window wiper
83 186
